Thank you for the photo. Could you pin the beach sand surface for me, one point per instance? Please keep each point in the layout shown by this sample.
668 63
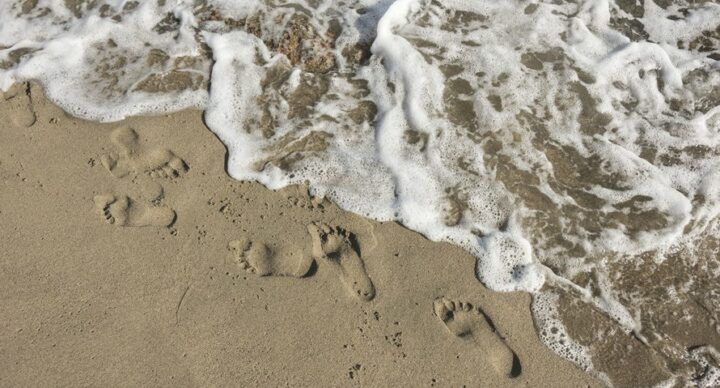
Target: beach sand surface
129 257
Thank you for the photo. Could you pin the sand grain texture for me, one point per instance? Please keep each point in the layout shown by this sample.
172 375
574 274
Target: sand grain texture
86 301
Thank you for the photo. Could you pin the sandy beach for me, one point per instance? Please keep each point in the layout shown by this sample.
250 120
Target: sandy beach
363 193
129 257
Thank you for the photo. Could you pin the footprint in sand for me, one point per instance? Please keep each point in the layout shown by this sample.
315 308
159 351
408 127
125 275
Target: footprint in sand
21 107
258 258
122 211
132 157
466 321
333 245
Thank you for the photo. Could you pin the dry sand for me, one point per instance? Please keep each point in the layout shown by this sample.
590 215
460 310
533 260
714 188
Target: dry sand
97 289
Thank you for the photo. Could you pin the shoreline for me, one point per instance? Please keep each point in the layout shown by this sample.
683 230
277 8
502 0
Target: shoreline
92 302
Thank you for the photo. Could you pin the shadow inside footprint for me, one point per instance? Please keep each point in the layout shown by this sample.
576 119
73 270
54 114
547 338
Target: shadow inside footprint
516 369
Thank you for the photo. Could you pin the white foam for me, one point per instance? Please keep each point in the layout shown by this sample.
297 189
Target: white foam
708 357
553 334
71 51
552 86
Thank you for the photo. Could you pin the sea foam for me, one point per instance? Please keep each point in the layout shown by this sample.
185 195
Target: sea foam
546 139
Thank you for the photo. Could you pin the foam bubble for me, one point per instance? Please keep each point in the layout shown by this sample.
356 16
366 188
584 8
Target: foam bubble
535 135
553 333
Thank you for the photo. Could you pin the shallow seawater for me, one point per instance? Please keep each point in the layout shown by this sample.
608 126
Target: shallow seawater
571 146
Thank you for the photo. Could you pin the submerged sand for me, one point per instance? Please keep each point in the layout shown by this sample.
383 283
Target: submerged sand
136 260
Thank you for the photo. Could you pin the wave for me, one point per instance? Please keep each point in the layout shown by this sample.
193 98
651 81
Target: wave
555 141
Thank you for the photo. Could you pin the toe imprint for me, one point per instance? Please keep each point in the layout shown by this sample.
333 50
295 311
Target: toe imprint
120 210
257 258
334 245
131 156
241 251
465 320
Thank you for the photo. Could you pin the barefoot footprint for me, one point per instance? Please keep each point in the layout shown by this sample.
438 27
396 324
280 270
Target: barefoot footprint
258 258
466 321
131 157
332 244
122 211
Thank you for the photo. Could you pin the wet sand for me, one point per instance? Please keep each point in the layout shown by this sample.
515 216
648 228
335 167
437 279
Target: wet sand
129 257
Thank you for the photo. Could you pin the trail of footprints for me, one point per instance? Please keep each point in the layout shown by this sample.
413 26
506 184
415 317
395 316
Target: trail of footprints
132 157
332 246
